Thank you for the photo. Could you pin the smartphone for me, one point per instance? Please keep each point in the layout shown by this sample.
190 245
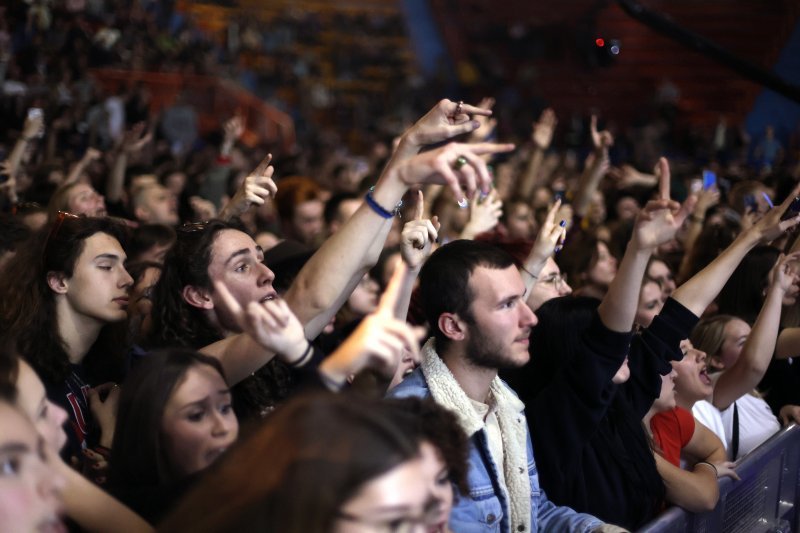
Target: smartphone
36 112
750 203
709 179
560 195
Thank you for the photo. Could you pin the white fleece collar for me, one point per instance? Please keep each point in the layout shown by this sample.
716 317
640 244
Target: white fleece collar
513 428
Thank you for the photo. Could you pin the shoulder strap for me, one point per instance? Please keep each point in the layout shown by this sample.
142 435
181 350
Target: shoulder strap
735 435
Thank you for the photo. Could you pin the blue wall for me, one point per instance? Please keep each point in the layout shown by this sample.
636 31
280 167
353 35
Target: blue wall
772 108
425 39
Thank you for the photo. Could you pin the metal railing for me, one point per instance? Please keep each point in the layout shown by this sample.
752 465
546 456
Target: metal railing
765 499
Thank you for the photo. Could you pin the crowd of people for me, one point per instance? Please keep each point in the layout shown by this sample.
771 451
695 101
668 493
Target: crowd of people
448 333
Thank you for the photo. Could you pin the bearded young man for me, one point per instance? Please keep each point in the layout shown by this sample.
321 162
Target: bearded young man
474 300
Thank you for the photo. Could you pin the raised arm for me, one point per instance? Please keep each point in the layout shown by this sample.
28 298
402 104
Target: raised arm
132 142
268 328
446 120
255 189
416 246
484 213
752 364
597 165
550 237
33 126
656 223
542 136
700 290
329 276
378 343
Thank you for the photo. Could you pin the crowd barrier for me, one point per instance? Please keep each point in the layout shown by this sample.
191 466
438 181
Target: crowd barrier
764 500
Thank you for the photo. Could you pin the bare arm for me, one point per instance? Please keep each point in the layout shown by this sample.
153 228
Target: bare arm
700 290
696 491
596 168
78 168
542 136
655 224
327 279
705 199
756 354
705 445
32 127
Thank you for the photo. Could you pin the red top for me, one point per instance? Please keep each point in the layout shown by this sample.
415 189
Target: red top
672 430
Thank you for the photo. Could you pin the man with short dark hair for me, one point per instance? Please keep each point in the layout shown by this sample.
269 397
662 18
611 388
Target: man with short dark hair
474 300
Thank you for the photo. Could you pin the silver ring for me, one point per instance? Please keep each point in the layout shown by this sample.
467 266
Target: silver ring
459 106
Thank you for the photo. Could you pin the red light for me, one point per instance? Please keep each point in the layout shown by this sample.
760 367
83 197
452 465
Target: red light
600 42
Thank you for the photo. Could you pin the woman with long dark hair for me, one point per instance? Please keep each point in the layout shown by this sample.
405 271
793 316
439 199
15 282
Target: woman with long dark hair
320 464
175 418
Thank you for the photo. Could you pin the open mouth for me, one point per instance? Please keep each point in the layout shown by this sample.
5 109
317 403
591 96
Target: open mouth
214 454
704 377
268 297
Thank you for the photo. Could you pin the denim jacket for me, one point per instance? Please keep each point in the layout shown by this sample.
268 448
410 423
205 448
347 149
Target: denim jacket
487 507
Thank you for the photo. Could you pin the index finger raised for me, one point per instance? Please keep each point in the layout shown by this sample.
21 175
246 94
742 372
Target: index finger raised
390 296
227 299
664 178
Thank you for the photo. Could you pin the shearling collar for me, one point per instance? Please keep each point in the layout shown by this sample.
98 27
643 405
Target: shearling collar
513 428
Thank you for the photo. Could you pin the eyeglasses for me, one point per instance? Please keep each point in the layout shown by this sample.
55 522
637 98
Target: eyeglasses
404 524
61 216
558 281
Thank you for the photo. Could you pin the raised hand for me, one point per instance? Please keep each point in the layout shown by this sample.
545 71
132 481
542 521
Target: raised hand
203 209
485 212
418 237
33 127
234 127
549 239
378 343
770 226
544 128
454 165
601 140
136 138
445 121
254 190
91 154
659 220
784 274
271 324
486 124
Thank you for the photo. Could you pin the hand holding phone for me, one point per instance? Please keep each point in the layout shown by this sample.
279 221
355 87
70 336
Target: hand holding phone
709 179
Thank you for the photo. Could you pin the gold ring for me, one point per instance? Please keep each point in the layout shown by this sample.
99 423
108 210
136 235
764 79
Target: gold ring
460 162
